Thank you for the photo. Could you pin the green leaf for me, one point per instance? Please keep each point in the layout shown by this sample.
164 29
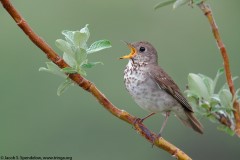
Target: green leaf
198 1
85 30
81 56
64 46
205 106
197 86
52 68
65 85
208 83
212 118
191 94
198 109
218 108
220 72
77 38
80 39
82 72
179 3
163 3
225 98
91 64
68 36
226 129
215 100
69 70
98 46
69 59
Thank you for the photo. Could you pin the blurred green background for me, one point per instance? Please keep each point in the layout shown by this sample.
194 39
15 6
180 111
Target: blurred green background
34 121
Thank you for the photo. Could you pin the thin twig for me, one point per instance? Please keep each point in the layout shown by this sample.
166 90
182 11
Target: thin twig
223 119
208 13
90 87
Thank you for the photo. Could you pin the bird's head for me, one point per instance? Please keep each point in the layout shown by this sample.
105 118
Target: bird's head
142 52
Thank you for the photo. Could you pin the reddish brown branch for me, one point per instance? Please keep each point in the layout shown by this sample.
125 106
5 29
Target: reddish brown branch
88 86
208 13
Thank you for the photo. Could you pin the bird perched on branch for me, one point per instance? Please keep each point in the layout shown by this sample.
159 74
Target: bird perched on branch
153 89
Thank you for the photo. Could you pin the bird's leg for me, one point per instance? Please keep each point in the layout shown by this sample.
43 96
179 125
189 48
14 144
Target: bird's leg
164 123
143 119
140 120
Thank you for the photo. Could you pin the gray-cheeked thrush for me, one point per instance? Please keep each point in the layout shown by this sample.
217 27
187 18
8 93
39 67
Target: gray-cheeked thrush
153 89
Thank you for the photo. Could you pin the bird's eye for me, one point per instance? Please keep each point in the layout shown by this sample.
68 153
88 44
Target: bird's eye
142 49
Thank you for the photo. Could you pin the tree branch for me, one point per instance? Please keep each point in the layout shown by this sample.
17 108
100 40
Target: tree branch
90 87
208 13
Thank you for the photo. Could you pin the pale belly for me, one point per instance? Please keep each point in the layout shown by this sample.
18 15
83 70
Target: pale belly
147 94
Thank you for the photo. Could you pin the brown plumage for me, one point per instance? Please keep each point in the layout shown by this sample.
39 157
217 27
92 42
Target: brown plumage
153 89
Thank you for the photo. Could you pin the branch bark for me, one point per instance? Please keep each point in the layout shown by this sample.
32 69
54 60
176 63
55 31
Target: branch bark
90 87
208 13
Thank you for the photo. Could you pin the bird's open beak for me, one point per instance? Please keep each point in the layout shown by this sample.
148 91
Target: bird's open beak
131 54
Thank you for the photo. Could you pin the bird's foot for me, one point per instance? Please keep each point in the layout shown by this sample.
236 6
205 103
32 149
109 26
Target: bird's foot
137 121
140 120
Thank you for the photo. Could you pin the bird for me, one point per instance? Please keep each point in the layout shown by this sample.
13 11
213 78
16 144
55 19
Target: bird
153 89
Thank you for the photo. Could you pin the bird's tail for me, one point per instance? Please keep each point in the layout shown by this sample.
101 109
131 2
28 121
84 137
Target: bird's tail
191 121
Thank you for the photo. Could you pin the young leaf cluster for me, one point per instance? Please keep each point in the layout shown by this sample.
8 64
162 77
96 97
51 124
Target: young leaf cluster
177 3
75 54
206 102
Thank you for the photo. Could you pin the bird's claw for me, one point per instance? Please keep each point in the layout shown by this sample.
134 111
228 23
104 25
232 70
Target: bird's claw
137 120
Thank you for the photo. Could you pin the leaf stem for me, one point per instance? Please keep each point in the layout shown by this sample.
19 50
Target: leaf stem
90 87
208 13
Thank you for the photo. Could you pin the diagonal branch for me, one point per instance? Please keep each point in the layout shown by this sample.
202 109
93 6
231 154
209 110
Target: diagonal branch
90 87
208 13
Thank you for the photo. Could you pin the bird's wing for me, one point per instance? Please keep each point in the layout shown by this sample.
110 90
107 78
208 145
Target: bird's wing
166 83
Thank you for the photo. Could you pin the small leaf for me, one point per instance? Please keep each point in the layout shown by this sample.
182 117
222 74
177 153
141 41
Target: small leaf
64 46
82 72
191 94
179 3
198 1
164 3
205 106
99 45
215 97
225 98
80 39
65 85
197 86
81 56
69 59
217 108
69 70
208 83
91 64
226 129
196 108
212 118
220 72
68 36
85 30
52 68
